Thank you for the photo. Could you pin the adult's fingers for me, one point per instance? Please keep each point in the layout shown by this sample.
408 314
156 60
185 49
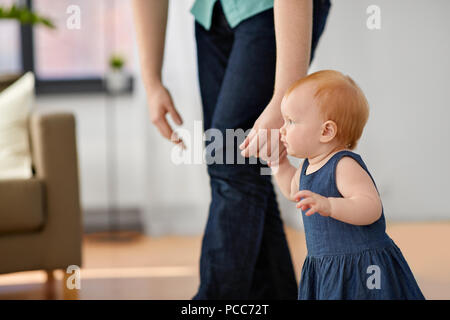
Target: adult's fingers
163 126
273 144
177 140
257 143
264 143
173 112
166 131
175 116
274 156
250 144
249 137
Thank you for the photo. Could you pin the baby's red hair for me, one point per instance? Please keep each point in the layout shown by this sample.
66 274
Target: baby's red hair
341 100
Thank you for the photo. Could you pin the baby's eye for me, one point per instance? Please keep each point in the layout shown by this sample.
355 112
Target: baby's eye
290 121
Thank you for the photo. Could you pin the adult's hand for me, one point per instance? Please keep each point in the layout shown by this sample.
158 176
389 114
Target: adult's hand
259 142
150 24
160 104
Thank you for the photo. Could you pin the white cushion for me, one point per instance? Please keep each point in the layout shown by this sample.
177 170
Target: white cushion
15 106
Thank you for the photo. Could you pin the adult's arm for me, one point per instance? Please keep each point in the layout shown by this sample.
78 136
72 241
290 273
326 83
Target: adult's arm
293 28
150 23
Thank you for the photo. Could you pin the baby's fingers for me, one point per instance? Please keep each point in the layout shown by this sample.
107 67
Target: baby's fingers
311 211
303 194
305 202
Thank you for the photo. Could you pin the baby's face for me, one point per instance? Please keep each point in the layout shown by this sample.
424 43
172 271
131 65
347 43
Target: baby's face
302 122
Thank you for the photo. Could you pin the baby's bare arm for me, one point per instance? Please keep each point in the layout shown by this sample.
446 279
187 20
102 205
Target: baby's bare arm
361 204
287 178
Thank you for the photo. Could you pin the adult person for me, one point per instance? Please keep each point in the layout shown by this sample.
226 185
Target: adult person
248 53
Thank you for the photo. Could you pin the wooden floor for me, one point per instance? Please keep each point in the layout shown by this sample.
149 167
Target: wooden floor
139 267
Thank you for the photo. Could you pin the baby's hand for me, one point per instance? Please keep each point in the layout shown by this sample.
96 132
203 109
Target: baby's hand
275 161
314 201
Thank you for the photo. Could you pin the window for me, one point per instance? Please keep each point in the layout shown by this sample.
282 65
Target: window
67 59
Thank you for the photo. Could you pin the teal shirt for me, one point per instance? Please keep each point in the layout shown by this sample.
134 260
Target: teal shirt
235 10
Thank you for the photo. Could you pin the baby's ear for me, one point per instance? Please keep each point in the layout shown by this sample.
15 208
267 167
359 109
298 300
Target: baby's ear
329 131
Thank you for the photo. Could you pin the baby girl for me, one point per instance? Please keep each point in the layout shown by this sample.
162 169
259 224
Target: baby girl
350 256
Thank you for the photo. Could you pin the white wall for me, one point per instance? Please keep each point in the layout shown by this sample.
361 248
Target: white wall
402 68
178 195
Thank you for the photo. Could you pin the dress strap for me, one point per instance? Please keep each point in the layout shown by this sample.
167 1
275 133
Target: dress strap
338 155
304 166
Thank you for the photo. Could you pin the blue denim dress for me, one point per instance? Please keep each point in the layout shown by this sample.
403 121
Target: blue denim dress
346 261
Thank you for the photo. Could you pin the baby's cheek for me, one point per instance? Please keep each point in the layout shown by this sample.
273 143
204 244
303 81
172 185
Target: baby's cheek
300 143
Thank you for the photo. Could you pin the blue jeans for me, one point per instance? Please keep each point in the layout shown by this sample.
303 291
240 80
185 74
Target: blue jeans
244 249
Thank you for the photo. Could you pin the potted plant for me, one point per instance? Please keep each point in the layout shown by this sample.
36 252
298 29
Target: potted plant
24 16
116 77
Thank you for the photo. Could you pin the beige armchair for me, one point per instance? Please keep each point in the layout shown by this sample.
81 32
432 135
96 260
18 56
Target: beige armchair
41 226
